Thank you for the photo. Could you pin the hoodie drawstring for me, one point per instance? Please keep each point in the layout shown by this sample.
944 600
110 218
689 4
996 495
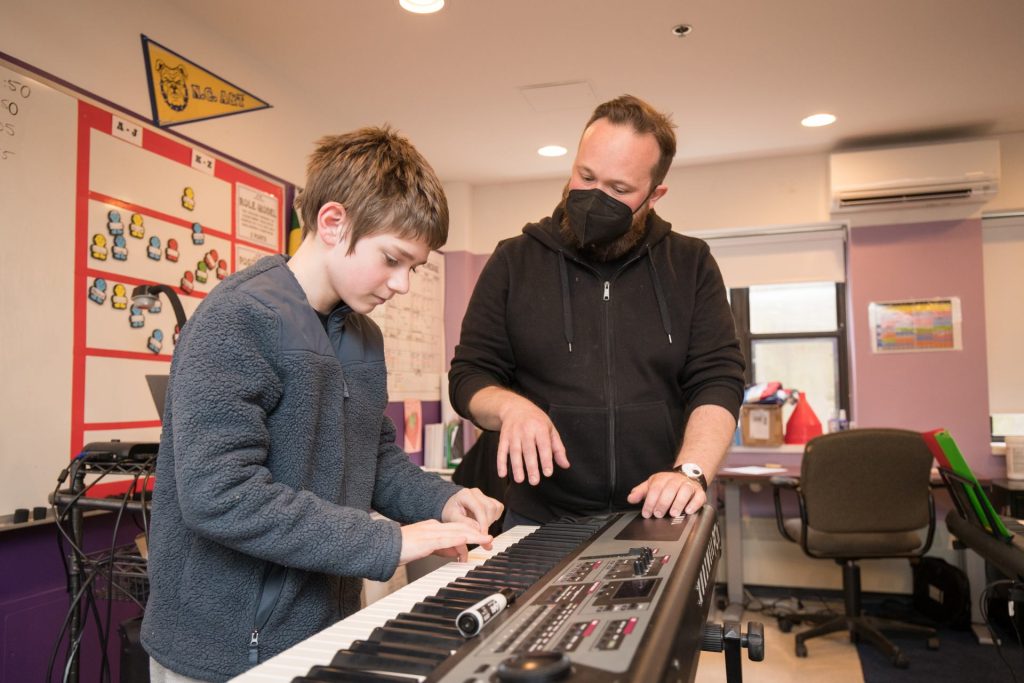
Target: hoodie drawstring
666 323
566 301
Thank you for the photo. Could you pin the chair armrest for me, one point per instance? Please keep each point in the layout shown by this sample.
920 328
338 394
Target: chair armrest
779 483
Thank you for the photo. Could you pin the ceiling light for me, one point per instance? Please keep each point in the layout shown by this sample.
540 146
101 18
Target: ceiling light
817 120
552 151
422 6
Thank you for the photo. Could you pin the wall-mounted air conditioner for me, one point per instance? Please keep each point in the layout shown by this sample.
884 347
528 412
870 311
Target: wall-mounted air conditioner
914 176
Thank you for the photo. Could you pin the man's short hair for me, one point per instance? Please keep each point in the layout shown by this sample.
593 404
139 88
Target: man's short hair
645 119
384 184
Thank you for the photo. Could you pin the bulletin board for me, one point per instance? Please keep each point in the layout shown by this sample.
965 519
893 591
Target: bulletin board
94 202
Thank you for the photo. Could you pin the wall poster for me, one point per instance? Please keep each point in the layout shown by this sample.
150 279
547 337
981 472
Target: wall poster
915 325
150 209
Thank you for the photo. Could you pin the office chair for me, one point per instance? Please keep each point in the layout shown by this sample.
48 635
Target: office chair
862 494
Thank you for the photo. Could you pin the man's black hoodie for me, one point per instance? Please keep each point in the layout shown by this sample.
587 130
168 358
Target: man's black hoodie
617 356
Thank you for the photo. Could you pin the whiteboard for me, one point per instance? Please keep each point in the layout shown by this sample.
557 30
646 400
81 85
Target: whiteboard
95 202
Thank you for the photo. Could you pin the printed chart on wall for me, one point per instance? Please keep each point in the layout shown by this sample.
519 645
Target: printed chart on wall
413 327
926 325
150 210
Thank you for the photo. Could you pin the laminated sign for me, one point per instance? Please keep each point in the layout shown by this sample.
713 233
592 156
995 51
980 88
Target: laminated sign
181 91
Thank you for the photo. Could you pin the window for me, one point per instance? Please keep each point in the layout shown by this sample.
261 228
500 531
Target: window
796 334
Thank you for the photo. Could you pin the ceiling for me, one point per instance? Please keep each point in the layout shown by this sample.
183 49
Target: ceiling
893 71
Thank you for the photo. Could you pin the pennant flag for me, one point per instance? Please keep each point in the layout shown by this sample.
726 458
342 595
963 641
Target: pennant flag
181 91
294 234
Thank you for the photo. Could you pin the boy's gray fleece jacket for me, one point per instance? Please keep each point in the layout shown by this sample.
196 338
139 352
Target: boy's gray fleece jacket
274 448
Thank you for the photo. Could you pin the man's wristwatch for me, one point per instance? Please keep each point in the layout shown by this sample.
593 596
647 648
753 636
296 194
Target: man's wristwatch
693 472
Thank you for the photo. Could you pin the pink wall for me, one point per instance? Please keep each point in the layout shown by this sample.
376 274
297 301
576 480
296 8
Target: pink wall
461 270
923 390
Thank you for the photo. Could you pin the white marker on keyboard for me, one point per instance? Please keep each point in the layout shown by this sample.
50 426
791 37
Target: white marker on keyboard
470 621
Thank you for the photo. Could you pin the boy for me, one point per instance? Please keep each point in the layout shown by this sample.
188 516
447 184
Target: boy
275 445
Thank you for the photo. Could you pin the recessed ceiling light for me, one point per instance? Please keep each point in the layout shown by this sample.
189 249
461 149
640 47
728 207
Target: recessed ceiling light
817 120
422 6
552 151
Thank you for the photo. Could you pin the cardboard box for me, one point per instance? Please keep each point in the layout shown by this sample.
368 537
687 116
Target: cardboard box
761 425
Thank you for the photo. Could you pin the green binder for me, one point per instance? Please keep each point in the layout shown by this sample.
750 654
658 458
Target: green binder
948 455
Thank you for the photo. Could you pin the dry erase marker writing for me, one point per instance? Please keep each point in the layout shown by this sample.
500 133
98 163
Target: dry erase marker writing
470 621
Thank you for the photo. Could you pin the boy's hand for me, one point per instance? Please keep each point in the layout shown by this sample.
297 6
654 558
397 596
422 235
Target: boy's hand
472 507
432 537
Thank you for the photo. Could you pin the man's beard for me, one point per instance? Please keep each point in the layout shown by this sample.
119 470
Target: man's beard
609 251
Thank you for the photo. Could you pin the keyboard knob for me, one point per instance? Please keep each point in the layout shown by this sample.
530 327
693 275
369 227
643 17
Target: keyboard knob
535 667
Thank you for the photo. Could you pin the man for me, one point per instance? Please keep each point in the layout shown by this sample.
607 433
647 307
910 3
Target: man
600 344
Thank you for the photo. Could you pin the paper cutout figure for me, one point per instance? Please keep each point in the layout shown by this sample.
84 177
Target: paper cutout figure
153 250
120 249
120 299
136 319
188 198
222 269
201 273
98 291
177 333
197 234
155 307
156 341
188 282
114 224
211 259
136 229
172 250
98 248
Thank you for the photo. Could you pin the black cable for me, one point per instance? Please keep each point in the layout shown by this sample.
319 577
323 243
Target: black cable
64 627
983 607
104 634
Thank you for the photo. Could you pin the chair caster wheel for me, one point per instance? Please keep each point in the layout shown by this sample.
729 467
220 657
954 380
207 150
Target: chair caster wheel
933 644
785 625
899 661
801 650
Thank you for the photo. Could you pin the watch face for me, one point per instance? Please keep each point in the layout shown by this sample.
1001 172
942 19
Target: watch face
691 470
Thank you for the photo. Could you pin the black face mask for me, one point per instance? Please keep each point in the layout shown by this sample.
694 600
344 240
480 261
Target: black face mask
596 218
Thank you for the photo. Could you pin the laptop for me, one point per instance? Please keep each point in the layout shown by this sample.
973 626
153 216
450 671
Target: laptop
158 389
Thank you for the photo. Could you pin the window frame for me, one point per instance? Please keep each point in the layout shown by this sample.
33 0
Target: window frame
739 299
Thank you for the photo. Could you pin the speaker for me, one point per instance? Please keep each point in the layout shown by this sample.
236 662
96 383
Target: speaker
134 660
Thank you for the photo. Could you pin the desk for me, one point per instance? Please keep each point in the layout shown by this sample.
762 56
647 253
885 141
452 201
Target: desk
1006 557
787 457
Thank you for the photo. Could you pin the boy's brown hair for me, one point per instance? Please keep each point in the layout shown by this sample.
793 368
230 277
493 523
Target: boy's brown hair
384 184
644 119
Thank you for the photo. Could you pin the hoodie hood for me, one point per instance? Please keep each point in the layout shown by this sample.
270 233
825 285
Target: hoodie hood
548 233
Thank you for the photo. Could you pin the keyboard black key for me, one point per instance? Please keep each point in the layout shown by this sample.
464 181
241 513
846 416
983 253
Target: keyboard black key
326 674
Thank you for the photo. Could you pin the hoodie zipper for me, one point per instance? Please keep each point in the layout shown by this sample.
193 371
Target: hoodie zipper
270 593
609 391
606 297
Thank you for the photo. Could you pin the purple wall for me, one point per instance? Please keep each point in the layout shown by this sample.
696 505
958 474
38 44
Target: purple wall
34 601
924 390
461 270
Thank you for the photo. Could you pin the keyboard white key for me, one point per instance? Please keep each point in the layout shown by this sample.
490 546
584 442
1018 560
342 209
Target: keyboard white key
321 648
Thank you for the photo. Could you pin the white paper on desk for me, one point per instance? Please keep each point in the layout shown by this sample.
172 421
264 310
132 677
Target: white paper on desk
752 469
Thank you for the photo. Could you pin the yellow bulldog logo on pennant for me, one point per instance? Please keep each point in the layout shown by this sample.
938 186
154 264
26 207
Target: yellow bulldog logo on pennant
181 91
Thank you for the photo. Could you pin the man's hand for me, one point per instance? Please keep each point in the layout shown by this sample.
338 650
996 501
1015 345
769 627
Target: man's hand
472 507
448 539
670 492
529 443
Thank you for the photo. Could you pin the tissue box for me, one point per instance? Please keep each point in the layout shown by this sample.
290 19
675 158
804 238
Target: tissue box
761 425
